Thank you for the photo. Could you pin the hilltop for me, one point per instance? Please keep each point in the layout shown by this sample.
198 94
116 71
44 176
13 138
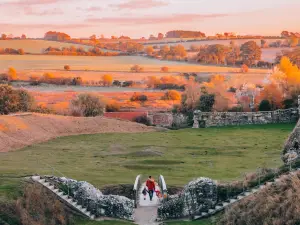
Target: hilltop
17 131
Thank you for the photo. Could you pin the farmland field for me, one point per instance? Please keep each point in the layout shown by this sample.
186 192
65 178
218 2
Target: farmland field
212 42
36 46
105 63
268 54
220 153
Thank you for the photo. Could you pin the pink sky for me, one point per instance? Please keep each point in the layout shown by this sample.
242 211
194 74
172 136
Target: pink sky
137 18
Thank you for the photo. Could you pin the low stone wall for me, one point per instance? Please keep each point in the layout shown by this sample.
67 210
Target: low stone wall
165 119
217 119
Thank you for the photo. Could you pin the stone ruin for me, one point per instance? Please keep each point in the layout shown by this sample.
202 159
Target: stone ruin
291 150
98 204
197 196
218 119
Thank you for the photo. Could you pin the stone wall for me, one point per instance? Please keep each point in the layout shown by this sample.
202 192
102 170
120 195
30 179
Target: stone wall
165 119
217 119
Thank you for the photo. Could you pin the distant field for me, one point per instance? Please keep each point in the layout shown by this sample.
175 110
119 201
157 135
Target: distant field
36 46
268 54
220 153
212 42
106 63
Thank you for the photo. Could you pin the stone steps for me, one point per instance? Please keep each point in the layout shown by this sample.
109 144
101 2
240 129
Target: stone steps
222 205
66 198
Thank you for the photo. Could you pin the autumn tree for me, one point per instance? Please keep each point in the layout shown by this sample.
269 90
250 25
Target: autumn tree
12 74
250 52
164 50
87 105
149 50
14 100
107 80
3 36
67 67
172 95
294 41
23 36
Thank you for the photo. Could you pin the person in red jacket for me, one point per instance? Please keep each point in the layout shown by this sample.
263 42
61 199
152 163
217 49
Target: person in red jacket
150 183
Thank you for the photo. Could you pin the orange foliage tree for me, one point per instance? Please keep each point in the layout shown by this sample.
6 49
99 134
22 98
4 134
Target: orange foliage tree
12 74
107 80
172 95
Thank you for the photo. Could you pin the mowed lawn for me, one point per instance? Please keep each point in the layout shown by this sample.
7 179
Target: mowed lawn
219 153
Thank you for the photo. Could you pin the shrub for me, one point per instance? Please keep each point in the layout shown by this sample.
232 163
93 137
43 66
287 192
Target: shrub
107 80
207 102
77 81
172 95
33 80
142 119
112 107
42 109
117 83
48 76
127 83
87 105
25 100
264 105
244 68
164 69
139 97
67 67
12 74
137 69
14 100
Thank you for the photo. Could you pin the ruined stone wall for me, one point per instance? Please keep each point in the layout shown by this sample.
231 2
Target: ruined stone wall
217 119
166 119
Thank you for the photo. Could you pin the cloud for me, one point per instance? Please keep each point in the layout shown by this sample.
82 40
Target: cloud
48 12
94 9
45 26
174 18
139 4
30 2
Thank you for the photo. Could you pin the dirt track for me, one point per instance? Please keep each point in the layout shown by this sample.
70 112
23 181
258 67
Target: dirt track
17 131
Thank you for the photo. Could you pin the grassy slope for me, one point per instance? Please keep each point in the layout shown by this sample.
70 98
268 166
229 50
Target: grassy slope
116 158
219 153
36 46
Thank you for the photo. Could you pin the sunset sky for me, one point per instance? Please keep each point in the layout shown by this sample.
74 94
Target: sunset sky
137 18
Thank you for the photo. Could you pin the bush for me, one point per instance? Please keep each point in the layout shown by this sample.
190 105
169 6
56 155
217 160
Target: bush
112 107
33 80
87 105
12 74
207 102
42 109
164 69
137 69
127 83
142 119
77 81
14 100
117 83
264 106
244 68
139 97
172 95
67 67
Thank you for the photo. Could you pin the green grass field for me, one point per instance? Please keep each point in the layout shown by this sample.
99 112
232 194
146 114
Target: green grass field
220 153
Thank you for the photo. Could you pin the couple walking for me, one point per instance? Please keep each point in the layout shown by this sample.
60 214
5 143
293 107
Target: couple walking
150 184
